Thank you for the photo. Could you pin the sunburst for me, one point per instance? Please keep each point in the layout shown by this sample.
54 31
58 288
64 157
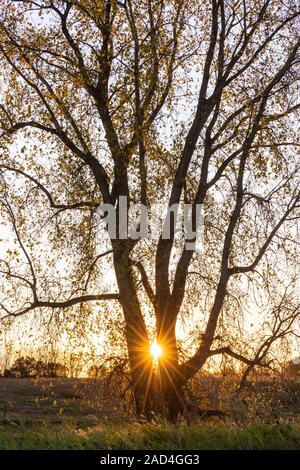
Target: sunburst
156 350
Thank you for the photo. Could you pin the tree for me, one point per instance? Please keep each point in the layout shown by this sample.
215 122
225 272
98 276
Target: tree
29 367
24 367
193 101
50 369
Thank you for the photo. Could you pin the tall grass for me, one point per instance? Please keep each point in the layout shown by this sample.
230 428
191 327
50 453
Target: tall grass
150 436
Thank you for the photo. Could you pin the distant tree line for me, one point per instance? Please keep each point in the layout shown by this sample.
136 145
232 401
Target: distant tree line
29 367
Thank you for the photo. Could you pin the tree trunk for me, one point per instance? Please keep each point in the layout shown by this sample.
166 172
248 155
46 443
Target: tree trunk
138 345
159 390
172 392
170 380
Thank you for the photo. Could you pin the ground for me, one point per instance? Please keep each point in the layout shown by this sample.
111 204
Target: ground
83 414
33 401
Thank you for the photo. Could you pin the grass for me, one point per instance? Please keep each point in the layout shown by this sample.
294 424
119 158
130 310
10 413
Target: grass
150 436
56 413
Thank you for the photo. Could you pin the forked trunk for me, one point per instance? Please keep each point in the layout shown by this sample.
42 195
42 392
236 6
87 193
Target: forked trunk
159 390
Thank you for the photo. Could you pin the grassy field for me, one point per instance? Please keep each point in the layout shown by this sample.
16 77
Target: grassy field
82 414
150 436
53 400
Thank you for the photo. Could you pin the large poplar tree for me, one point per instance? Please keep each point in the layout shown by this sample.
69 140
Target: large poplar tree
191 100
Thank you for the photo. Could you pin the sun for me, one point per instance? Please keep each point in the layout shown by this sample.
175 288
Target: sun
155 350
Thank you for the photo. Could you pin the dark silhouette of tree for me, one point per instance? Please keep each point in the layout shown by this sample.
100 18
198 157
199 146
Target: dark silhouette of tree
8 374
24 367
29 367
50 369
